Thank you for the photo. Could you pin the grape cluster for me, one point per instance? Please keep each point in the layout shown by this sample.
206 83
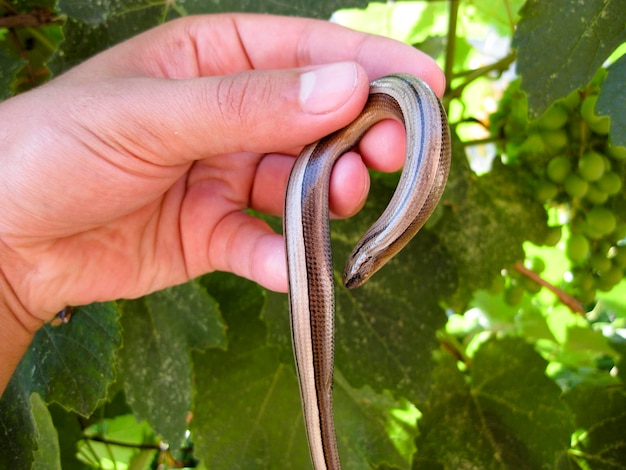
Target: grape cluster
578 175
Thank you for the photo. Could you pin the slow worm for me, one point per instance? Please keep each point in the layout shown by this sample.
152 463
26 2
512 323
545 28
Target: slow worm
306 228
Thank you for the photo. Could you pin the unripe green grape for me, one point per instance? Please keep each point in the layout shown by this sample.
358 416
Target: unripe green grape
601 220
609 278
555 139
599 262
602 126
620 231
591 166
553 236
603 247
533 145
598 124
554 118
618 153
620 256
558 168
610 183
583 281
587 296
592 232
571 101
595 195
577 248
575 186
587 107
545 191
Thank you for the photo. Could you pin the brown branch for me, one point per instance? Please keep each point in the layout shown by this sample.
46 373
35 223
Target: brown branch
36 18
572 303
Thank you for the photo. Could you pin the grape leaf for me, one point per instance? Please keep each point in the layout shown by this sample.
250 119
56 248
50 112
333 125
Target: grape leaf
159 332
9 66
599 415
611 101
504 413
261 424
562 43
69 426
494 13
247 409
47 456
93 27
370 431
18 438
385 329
71 364
317 9
86 344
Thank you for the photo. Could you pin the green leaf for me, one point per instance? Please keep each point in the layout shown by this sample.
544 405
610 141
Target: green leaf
248 412
71 364
69 426
504 413
47 456
611 101
385 329
373 429
247 404
600 421
19 435
494 13
317 9
9 66
94 27
562 43
160 330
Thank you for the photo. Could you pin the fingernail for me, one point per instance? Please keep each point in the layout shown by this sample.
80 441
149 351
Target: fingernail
327 88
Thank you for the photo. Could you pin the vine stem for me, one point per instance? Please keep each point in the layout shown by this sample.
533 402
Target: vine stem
572 303
111 442
37 17
451 44
472 75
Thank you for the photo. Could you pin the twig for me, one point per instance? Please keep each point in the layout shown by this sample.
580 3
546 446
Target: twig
37 17
451 43
572 303
472 75
122 444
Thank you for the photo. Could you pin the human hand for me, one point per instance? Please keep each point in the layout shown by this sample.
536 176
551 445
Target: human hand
132 171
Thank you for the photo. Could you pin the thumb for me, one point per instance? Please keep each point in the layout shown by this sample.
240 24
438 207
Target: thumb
252 111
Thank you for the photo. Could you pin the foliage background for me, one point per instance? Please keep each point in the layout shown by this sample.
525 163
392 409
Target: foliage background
442 360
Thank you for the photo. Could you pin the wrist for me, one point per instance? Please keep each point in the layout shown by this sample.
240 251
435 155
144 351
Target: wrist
17 331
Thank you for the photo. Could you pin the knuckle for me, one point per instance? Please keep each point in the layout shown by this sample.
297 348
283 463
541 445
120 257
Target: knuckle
241 99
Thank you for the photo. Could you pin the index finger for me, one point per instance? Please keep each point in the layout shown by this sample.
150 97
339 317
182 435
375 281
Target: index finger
228 43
